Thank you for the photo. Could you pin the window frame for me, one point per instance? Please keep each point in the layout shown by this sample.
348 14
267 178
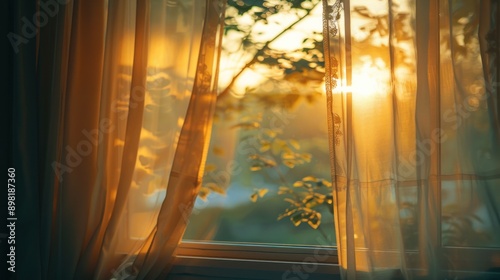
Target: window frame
255 261
271 261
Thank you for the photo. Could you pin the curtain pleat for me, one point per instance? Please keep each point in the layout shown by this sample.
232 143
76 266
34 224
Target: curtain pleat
132 136
81 112
427 121
186 173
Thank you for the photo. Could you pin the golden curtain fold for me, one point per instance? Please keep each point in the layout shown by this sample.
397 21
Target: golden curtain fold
415 154
126 93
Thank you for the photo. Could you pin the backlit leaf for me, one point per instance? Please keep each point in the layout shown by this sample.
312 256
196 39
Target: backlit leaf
215 188
326 183
309 178
276 147
270 133
288 156
284 190
210 167
296 219
268 162
298 184
247 125
287 213
294 144
291 201
319 197
262 192
315 221
306 156
255 168
289 163
265 146
218 151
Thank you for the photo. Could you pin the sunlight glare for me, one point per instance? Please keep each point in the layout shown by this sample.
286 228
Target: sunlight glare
371 79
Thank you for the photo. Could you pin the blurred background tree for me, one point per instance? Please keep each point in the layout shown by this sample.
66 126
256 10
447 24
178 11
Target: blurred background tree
271 66
259 33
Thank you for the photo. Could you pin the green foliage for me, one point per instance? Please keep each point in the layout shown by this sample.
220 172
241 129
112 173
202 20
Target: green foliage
276 154
458 227
306 196
208 188
274 150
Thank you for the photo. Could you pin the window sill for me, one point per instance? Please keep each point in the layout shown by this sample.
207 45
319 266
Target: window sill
212 260
202 260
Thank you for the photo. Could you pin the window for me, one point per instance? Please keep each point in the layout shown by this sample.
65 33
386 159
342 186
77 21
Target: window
267 178
266 193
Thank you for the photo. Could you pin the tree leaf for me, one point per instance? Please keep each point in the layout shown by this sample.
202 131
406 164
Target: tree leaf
255 168
277 146
265 146
288 156
254 197
310 179
306 156
320 196
289 163
296 219
268 162
284 190
287 213
326 183
315 220
216 189
270 133
253 156
262 192
308 198
218 151
294 144
210 168
291 201
298 184
247 125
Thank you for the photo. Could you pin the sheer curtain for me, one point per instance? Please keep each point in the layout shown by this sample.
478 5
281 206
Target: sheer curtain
116 118
414 114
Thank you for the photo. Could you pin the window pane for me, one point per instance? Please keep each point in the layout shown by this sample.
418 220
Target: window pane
469 150
468 212
267 178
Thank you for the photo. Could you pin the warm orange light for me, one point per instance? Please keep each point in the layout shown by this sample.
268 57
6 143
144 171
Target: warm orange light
369 80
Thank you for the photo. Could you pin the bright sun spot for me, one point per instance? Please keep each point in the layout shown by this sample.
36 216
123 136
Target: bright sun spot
370 79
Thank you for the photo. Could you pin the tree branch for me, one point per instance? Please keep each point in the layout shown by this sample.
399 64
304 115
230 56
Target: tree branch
226 91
